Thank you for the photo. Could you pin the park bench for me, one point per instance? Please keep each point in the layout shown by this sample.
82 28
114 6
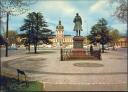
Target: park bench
20 72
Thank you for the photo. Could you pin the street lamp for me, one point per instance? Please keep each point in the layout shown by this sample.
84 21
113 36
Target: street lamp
7 27
6 54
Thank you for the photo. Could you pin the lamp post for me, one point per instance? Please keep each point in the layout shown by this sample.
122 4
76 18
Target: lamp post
0 46
6 54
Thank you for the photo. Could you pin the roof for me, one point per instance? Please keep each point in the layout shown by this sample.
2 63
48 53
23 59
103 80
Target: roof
59 26
123 39
67 35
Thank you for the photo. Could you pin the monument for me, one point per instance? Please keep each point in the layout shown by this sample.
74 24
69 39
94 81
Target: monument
78 24
78 51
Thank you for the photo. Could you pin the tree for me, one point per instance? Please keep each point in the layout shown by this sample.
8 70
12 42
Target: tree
35 27
115 36
121 10
94 34
100 33
12 35
13 7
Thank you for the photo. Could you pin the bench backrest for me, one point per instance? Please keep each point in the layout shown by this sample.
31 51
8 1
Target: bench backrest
21 72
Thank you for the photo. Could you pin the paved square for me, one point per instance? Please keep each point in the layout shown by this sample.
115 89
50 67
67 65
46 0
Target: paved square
110 73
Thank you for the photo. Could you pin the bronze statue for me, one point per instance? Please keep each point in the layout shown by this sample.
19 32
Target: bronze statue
78 24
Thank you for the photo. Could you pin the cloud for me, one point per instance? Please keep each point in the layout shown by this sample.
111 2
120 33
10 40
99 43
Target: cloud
99 5
53 10
102 8
60 7
90 11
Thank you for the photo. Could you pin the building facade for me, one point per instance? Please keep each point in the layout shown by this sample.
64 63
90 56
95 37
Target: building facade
123 42
59 39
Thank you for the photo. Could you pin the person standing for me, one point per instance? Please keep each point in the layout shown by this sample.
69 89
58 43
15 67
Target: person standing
91 49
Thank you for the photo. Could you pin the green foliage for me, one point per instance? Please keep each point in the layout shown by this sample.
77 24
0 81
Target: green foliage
11 37
99 32
23 35
114 34
12 85
36 29
35 25
33 86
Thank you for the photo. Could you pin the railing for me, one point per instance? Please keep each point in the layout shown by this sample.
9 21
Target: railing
65 54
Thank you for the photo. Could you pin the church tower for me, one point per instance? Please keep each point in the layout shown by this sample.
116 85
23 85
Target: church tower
60 33
59 30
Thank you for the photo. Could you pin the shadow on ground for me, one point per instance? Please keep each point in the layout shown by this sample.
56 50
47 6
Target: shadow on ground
34 59
88 65
41 52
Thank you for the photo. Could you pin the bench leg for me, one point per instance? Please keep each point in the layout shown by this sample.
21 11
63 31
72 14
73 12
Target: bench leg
18 78
26 81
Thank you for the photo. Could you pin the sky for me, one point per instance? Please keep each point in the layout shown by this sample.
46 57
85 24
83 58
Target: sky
65 10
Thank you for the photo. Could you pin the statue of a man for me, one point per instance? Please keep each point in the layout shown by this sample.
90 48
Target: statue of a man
78 24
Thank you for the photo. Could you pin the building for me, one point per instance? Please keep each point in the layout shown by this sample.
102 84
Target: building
60 39
123 42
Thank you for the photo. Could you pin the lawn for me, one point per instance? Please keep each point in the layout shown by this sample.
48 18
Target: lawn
12 85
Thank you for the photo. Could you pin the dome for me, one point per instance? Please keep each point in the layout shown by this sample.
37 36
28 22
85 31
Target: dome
59 26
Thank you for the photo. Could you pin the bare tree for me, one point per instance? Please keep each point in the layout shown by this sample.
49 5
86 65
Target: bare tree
121 11
14 8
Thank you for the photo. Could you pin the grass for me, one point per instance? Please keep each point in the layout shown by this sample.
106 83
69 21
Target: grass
12 85
33 86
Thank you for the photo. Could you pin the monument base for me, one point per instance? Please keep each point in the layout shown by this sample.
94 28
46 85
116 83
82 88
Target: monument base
78 42
78 53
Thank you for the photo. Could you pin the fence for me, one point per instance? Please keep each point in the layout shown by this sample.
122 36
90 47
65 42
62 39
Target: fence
66 54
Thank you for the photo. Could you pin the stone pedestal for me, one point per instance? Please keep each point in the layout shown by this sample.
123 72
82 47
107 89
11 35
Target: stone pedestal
78 51
78 42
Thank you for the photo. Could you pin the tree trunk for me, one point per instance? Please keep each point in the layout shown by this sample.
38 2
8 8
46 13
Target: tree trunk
29 41
102 48
113 46
36 36
35 48
29 47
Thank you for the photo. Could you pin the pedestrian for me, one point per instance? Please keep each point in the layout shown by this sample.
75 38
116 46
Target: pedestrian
91 49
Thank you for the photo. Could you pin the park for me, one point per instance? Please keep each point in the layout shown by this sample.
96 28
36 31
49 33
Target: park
43 50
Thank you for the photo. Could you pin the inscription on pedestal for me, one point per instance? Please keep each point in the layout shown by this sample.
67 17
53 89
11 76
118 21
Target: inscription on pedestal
78 42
